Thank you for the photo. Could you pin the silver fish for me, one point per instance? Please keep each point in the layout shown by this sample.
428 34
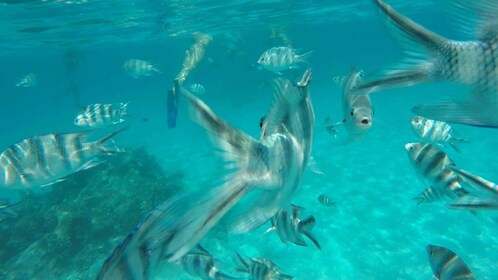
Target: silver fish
197 89
484 193
278 59
291 228
357 109
260 269
138 68
446 265
436 132
101 115
47 159
200 264
273 166
326 201
471 63
431 165
27 81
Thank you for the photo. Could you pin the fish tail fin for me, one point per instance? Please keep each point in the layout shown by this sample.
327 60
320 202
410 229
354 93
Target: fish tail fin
306 226
238 149
303 58
107 145
419 44
242 265
123 107
419 199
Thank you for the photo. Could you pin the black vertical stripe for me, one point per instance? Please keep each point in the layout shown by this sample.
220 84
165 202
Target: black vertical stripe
435 160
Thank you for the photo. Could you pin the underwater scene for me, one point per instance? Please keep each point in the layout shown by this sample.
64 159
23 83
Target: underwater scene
248 139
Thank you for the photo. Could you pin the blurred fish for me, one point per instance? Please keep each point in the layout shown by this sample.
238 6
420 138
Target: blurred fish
273 166
260 269
199 264
436 58
436 132
5 211
197 89
27 81
339 80
101 115
282 58
326 201
446 265
138 68
432 165
291 229
47 159
429 195
484 193
357 110
172 103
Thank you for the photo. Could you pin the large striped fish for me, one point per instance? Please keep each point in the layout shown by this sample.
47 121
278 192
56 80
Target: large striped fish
138 68
435 58
357 110
260 269
270 170
101 115
278 59
446 265
436 132
431 165
484 193
47 159
290 228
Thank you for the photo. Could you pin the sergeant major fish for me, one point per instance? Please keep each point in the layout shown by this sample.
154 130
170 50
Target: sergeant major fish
291 228
471 63
27 81
47 159
357 110
138 68
260 269
270 170
200 264
436 132
101 115
431 165
446 265
325 200
278 59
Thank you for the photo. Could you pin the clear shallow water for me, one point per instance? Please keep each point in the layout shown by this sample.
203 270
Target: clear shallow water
376 231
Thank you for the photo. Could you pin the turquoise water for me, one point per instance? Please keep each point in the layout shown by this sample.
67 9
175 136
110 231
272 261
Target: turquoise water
376 231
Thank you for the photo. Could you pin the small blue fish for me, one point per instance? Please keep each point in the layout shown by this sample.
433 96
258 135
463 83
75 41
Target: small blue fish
27 81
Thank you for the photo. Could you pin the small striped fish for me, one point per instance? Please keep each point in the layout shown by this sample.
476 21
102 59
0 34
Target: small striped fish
326 201
260 269
436 132
47 159
197 89
431 165
27 81
138 68
198 263
281 58
291 228
446 265
101 115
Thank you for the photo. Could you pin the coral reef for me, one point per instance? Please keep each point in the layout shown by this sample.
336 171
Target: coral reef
82 219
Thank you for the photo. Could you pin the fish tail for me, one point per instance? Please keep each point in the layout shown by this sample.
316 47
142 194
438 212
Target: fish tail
419 199
306 226
454 142
106 148
123 109
242 265
303 58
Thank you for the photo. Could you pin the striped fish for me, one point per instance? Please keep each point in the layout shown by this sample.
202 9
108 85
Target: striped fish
431 194
101 115
260 269
27 81
434 58
431 165
326 201
291 228
484 193
282 58
436 132
138 68
47 159
197 89
199 264
446 265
